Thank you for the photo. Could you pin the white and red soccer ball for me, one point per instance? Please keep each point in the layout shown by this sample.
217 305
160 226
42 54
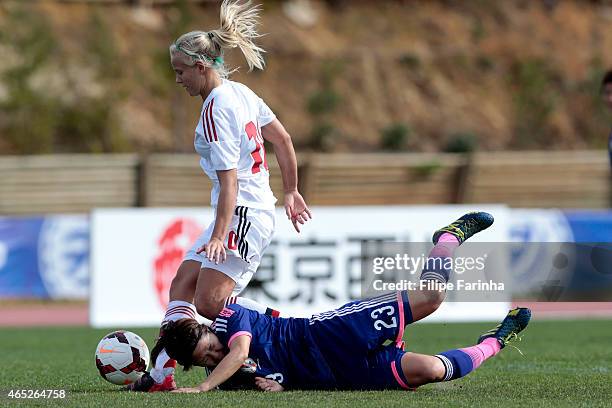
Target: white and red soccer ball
122 357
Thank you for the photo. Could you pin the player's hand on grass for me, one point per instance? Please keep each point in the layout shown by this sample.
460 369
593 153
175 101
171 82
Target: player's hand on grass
266 384
296 209
191 390
215 250
186 390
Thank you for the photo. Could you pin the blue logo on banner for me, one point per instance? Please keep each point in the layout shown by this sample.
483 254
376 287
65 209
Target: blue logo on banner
63 256
44 257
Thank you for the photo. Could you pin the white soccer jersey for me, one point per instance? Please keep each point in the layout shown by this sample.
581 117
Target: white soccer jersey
228 136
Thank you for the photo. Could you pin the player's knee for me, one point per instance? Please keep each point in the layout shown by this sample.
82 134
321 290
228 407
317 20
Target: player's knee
434 299
435 371
427 373
209 308
420 369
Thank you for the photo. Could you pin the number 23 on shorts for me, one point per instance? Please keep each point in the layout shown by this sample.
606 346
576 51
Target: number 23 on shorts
384 312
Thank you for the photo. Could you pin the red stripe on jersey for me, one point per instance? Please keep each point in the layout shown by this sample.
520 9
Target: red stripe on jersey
212 120
263 149
205 124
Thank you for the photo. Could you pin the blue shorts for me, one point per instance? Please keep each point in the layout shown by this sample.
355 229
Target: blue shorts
362 343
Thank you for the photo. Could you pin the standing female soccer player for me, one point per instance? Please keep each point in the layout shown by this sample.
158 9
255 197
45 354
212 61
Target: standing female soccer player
229 138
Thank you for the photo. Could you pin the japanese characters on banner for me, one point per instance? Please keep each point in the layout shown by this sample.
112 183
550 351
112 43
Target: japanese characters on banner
135 254
139 250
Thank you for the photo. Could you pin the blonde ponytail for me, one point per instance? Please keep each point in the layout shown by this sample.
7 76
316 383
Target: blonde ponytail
238 29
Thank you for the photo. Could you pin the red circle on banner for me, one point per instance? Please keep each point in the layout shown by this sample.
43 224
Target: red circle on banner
175 240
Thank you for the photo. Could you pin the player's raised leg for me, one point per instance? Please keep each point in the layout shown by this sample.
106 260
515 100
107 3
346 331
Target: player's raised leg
419 369
367 324
428 298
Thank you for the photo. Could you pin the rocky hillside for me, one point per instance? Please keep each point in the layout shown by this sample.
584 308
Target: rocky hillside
341 75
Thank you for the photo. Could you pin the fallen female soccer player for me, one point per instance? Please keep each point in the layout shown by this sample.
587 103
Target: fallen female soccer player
358 346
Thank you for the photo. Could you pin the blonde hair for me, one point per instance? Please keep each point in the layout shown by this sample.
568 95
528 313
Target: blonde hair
238 29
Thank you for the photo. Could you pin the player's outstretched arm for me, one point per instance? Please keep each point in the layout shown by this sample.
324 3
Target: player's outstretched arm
239 351
266 384
295 207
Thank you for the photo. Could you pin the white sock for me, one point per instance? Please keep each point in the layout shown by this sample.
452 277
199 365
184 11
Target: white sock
177 309
159 372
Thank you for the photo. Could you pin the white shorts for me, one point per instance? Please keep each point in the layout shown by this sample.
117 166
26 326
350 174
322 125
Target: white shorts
250 233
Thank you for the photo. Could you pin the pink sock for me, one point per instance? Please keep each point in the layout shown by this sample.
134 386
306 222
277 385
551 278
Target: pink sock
447 237
480 352
447 243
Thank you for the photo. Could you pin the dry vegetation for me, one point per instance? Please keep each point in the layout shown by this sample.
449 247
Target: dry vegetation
419 76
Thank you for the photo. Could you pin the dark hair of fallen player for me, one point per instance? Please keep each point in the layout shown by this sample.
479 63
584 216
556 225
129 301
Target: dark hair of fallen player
180 339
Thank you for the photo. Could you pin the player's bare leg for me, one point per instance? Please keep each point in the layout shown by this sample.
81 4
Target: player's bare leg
424 302
212 289
420 369
183 285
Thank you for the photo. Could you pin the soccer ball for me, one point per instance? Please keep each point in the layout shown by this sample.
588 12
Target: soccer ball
122 357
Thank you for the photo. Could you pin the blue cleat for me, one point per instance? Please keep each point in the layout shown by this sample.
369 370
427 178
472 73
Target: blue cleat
515 321
466 226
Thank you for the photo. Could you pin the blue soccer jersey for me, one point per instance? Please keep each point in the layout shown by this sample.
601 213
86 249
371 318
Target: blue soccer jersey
282 349
358 346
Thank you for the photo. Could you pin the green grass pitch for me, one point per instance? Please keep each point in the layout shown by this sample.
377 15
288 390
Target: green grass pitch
565 363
